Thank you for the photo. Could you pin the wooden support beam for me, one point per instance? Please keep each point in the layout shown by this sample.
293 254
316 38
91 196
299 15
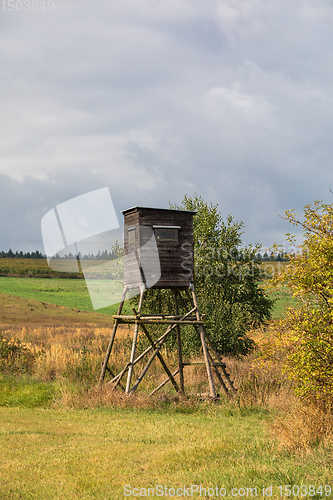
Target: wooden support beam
112 375
116 380
227 376
149 362
139 358
163 383
204 348
179 347
135 337
155 321
160 357
142 355
220 379
159 316
189 363
109 349
223 366
154 354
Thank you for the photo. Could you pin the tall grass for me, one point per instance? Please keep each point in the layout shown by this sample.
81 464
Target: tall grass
75 354
70 357
72 352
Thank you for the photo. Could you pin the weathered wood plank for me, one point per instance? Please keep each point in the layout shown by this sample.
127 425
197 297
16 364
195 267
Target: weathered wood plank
175 257
148 321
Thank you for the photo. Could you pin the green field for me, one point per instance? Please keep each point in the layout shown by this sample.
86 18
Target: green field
282 300
95 453
71 293
35 268
68 293
49 286
63 437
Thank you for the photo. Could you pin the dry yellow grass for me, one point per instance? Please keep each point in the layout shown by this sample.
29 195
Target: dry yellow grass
60 351
77 352
302 427
71 353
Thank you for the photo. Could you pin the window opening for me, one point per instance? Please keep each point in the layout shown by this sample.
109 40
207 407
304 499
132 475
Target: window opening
166 233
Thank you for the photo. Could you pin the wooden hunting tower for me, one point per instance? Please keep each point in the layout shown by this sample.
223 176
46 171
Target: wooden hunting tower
172 230
158 253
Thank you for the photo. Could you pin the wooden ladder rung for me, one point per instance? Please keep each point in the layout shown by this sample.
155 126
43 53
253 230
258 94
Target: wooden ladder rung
189 363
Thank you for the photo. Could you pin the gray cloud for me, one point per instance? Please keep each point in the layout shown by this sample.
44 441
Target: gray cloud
229 99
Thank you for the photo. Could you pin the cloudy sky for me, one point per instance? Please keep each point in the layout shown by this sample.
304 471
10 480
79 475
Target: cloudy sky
230 99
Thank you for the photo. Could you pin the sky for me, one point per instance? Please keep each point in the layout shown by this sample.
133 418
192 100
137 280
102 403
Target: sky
155 99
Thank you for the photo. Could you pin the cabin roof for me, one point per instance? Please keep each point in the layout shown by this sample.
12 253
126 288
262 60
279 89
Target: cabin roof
151 208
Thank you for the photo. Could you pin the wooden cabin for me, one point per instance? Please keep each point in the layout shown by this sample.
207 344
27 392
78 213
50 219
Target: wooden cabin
158 247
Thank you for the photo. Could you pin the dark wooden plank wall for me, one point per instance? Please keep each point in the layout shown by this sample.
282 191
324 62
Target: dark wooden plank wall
176 258
131 272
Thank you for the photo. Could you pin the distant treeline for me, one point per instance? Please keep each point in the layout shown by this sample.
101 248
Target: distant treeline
271 257
22 255
38 255
117 252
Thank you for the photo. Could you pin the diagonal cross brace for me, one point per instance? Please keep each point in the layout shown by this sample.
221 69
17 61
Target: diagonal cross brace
162 338
159 355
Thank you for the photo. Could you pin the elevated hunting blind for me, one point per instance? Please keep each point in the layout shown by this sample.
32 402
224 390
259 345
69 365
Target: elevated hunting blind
172 233
158 254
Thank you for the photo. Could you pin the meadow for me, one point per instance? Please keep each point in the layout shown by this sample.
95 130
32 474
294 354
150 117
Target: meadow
104 453
73 293
63 436
28 268
70 293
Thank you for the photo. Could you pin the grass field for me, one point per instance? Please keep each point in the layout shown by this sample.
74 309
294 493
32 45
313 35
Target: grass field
73 293
70 293
63 437
16 310
89 454
29 268
282 300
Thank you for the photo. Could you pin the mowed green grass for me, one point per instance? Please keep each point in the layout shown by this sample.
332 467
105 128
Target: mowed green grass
89 454
71 293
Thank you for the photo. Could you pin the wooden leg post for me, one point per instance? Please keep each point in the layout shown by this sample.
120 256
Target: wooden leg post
109 349
179 348
135 338
204 347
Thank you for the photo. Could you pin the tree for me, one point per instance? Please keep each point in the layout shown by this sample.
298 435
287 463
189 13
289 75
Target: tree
226 281
308 337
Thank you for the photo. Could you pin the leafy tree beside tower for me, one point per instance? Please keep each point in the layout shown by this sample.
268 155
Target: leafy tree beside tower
226 279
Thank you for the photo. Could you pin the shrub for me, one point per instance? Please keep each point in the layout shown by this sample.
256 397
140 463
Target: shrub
309 326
